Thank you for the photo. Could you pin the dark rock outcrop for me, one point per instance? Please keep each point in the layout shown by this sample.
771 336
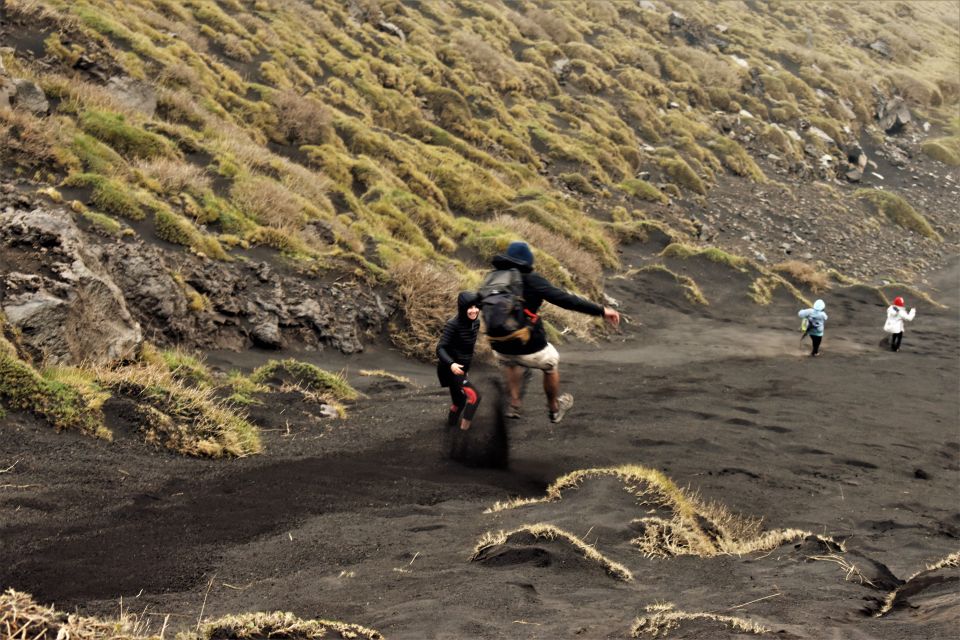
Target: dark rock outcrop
67 309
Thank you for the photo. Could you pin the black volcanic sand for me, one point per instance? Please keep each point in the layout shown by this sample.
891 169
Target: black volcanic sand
368 521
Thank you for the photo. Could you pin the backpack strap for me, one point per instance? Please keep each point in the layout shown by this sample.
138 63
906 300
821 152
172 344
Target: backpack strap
522 334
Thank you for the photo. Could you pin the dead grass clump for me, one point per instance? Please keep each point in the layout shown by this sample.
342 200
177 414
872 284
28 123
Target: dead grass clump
428 297
804 274
25 138
252 626
550 533
662 618
22 618
683 524
302 119
268 202
176 176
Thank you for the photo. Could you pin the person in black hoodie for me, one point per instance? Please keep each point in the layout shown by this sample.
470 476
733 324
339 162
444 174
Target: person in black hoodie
454 354
536 353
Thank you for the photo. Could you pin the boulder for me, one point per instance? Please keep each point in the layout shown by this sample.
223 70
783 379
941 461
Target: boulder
854 175
893 115
134 94
30 97
391 29
266 333
67 308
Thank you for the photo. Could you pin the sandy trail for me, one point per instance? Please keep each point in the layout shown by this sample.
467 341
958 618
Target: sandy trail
366 521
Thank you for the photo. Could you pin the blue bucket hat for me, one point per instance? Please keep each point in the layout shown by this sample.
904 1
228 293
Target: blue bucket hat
520 252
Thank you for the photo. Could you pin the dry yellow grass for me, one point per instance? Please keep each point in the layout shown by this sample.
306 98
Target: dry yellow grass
428 297
684 524
542 531
805 274
662 618
23 619
253 626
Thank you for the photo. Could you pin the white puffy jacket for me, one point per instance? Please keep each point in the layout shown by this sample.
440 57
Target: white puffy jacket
895 317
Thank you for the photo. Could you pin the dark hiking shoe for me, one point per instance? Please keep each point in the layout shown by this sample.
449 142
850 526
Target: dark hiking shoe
564 404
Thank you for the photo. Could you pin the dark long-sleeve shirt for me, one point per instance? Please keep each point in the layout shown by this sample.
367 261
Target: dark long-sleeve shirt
536 290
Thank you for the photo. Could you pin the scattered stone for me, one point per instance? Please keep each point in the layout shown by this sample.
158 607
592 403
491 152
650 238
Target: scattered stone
561 69
820 134
881 47
391 29
30 97
854 175
676 20
877 175
646 5
134 94
745 114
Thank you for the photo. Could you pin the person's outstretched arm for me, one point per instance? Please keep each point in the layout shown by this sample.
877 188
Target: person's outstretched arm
560 297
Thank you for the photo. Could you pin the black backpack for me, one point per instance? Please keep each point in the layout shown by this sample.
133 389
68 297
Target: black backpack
501 303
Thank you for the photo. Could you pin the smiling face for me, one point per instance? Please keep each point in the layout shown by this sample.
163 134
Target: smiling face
473 312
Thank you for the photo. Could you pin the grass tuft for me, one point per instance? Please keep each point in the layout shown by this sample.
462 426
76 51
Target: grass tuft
898 211
662 618
549 532
684 524
305 376
252 626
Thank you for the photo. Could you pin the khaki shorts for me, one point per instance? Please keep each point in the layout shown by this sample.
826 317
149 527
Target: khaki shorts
547 359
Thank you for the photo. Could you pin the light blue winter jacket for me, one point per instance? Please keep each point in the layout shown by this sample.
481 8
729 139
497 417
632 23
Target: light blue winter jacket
816 320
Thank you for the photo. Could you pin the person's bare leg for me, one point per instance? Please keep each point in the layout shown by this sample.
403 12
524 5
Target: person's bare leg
551 387
514 376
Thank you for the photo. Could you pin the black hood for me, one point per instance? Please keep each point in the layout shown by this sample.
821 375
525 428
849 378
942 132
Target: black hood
465 300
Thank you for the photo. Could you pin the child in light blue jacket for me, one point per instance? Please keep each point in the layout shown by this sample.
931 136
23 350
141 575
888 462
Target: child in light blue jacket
816 318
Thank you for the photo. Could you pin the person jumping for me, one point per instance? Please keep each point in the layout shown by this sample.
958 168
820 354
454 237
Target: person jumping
454 354
511 297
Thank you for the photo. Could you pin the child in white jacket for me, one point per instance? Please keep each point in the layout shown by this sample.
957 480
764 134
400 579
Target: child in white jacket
896 314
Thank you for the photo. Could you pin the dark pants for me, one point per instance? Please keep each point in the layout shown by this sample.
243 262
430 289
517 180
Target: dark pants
816 344
464 398
895 340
